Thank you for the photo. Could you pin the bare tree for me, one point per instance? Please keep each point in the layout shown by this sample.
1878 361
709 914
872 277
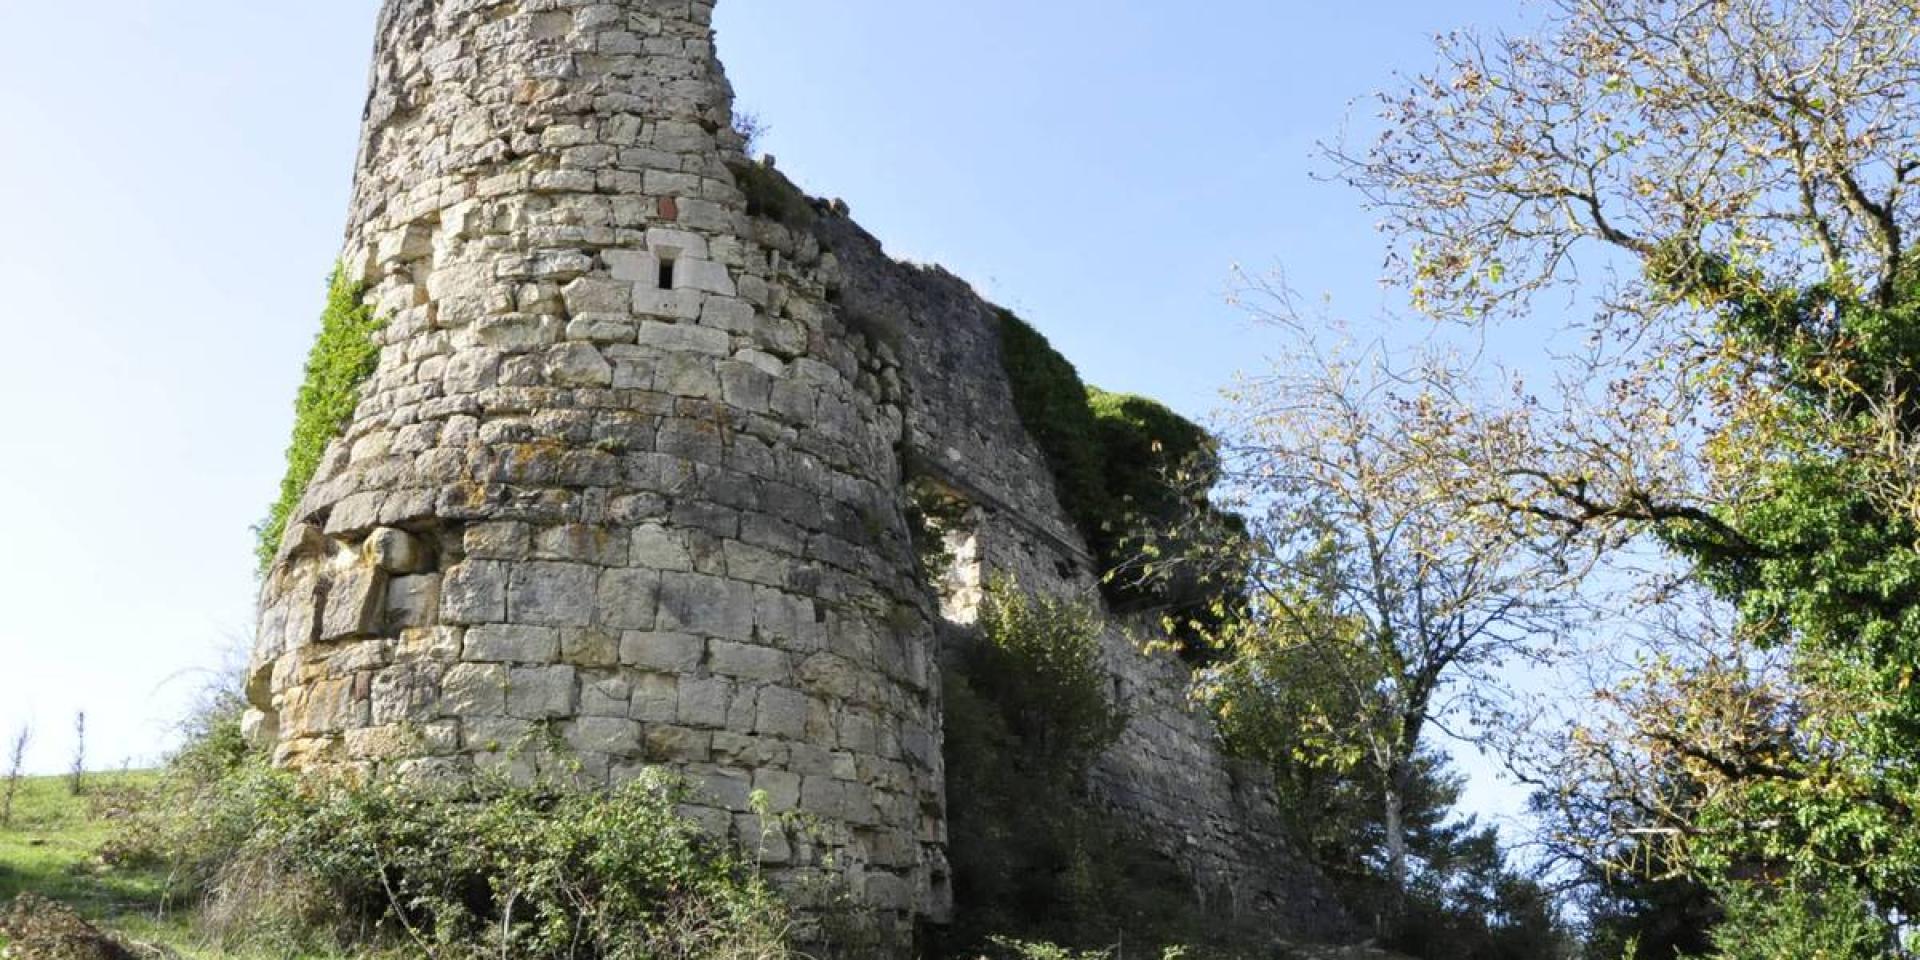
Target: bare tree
16 770
76 775
1770 133
1679 159
1373 559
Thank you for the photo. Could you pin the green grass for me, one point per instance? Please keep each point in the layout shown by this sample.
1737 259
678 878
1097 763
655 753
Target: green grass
53 843
52 848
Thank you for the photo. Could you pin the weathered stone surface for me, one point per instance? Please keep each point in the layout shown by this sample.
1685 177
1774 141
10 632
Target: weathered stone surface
554 594
664 652
541 693
474 592
355 600
397 552
474 690
748 661
502 643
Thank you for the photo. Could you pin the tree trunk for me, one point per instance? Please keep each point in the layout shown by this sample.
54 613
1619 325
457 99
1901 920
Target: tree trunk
1396 829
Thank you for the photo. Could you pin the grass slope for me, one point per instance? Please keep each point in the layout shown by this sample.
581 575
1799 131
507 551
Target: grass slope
52 848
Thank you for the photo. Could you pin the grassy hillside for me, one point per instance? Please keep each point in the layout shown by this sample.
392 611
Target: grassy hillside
53 846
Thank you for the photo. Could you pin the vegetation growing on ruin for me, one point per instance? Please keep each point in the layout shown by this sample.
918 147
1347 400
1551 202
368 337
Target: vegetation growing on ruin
344 355
1028 710
770 194
273 865
1134 476
1052 401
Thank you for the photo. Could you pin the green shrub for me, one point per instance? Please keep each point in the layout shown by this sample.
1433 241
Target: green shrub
458 869
1028 711
1790 923
344 355
1039 663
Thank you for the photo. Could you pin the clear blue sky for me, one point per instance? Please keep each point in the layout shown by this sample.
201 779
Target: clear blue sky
173 182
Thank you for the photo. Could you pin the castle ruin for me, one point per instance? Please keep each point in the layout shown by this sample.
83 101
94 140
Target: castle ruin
633 469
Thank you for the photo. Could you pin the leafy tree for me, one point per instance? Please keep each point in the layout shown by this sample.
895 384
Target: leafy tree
1743 169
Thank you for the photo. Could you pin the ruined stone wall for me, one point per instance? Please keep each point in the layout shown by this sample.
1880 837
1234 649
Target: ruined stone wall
1166 777
622 478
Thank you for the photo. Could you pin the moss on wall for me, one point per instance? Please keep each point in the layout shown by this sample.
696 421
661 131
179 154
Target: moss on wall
1053 405
1129 471
344 355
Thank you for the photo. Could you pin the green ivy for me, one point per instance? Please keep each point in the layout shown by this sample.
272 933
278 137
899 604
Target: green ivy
344 355
1128 470
1052 401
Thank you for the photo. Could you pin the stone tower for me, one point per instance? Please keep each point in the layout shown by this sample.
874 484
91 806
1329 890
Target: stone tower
623 477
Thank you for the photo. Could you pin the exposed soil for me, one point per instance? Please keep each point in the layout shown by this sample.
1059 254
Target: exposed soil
39 929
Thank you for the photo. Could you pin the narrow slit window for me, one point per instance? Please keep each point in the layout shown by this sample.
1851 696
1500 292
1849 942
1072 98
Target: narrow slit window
666 272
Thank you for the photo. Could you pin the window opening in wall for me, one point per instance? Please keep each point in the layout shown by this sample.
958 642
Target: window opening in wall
666 270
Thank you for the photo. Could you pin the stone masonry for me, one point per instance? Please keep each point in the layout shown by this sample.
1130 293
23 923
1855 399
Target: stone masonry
631 476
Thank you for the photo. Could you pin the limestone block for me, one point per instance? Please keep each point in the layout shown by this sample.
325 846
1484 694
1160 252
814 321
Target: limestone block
704 701
678 744
552 594
727 788
746 750
885 891
605 694
578 365
412 601
782 713
474 592
474 690
680 304
680 243
581 542
541 693
355 601
766 841
494 733
782 789
589 295
626 599
662 652
749 661
632 266
693 603
750 563
822 797
589 647
745 386
505 643
707 275
711 821
396 552
405 694
687 375
656 699
654 548
603 328
832 675
260 729
607 735
683 338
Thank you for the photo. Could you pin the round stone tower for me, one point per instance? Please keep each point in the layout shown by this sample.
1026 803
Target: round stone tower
625 486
